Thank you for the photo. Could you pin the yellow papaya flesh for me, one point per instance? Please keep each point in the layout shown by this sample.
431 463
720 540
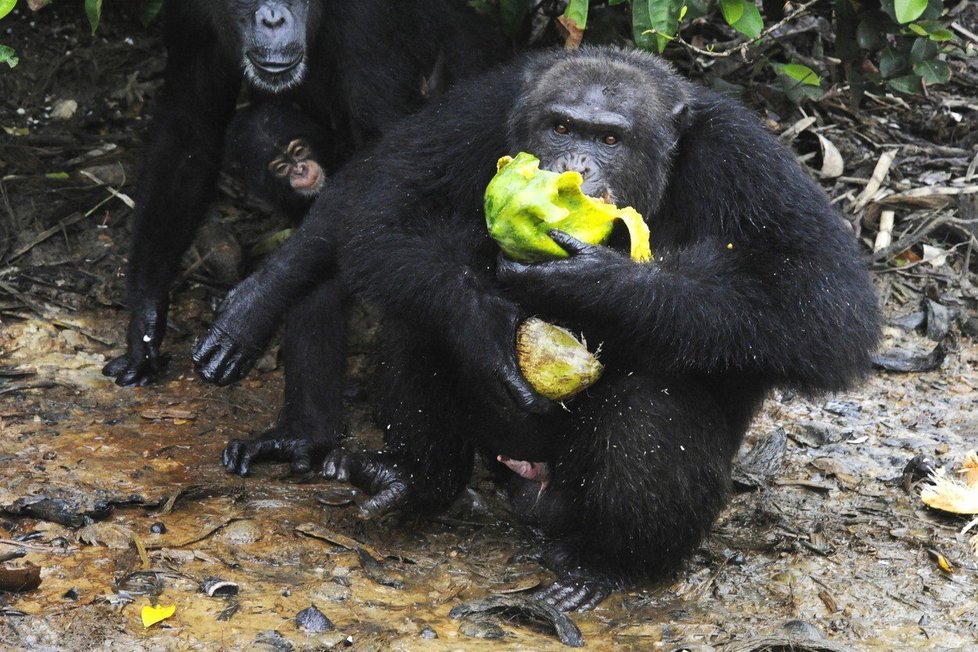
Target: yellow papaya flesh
523 203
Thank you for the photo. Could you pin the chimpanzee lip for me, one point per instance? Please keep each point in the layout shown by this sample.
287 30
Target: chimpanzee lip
273 66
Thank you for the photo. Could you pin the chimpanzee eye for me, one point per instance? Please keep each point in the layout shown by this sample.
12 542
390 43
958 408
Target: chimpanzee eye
279 168
610 140
298 149
561 129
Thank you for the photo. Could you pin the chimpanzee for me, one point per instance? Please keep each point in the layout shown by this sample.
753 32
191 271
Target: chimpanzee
755 284
280 155
353 68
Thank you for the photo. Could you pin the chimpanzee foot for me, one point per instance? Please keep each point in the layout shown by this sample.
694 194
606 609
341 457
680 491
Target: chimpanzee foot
577 587
582 590
388 482
279 444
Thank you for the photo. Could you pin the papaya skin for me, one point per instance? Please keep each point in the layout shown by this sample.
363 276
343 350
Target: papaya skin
523 203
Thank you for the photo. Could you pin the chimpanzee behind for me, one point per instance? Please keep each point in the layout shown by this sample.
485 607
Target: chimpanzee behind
755 284
353 69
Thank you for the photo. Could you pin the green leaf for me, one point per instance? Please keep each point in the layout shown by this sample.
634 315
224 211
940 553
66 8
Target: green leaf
868 35
751 23
799 73
150 11
743 16
698 8
909 84
577 12
892 63
8 56
732 10
918 29
655 23
922 50
940 35
512 14
93 9
933 72
6 6
907 11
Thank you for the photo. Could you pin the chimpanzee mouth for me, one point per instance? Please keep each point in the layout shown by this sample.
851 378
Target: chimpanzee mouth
272 66
274 75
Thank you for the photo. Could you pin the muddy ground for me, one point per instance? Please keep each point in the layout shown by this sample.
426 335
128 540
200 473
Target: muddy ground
116 494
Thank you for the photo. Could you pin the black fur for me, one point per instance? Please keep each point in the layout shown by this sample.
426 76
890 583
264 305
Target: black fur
261 134
755 284
352 69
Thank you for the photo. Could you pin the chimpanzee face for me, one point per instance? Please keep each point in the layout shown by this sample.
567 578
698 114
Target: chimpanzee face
275 40
613 123
296 166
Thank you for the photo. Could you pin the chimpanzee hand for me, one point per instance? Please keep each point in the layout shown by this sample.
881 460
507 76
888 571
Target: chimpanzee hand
238 336
573 280
282 443
389 483
488 349
142 362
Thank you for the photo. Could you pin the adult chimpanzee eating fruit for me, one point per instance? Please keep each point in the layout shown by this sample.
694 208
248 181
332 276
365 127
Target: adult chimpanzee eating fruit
353 68
755 284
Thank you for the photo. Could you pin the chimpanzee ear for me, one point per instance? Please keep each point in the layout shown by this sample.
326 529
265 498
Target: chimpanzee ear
681 115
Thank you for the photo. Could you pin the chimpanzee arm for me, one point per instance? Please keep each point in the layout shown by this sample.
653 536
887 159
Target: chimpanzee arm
401 247
178 176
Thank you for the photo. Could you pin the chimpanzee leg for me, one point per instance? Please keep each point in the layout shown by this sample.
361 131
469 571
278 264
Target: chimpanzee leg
427 457
645 471
314 351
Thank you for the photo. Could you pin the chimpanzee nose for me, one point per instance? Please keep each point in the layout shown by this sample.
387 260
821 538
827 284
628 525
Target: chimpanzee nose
270 15
580 164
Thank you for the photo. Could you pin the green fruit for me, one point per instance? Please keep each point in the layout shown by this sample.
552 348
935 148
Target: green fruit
523 203
554 362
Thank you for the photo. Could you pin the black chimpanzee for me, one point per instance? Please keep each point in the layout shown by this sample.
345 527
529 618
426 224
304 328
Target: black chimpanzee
280 155
755 284
353 68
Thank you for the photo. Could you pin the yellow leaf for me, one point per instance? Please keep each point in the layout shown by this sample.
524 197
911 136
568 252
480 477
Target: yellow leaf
152 615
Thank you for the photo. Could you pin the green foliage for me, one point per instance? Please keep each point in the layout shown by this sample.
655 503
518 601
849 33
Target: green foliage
8 56
896 44
901 46
6 6
93 9
577 12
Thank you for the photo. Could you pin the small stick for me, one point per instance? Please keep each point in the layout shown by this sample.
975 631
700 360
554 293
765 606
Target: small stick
885 235
879 176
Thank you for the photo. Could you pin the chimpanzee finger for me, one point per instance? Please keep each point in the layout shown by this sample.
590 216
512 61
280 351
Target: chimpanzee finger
390 498
337 464
231 455
116 366
514 272
524 395
578 596
593 601
553 593
301 460
235 368
572 245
